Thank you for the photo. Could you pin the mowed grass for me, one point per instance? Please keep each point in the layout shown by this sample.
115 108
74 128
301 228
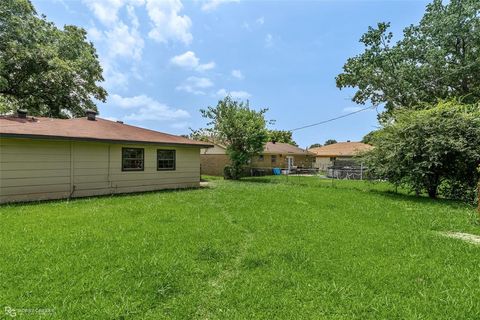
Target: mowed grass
263 248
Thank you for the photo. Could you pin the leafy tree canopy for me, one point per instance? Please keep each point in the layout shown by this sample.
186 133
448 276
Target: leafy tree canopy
241 128
315 145
436 150
283 136
369 138
43 69
437 59
330 141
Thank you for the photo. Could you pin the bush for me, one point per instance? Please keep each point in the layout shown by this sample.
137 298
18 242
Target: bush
436 150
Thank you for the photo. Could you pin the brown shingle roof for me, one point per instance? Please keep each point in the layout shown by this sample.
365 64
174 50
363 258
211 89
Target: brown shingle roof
341 149
284 148
83 129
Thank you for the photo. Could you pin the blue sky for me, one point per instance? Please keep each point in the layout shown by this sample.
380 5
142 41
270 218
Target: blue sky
165 60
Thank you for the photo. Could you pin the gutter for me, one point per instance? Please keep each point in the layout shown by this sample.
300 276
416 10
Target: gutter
62 138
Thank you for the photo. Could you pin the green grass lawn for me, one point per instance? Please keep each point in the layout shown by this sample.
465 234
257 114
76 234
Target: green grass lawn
261 248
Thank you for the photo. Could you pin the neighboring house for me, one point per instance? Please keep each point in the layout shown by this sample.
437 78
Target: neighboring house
213 160
284 156
44 158
326 156
275 155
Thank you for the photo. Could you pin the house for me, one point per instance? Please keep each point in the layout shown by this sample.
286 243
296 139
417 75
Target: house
342 151
274 155
284 156
213 160
44 158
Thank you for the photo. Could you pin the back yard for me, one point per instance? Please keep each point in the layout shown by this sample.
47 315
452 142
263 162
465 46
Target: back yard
264 248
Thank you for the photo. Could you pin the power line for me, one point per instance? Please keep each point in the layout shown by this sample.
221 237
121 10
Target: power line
358 111
332 119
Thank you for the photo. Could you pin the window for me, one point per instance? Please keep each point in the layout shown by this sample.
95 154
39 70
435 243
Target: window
274 158
260 157
165 159
132 159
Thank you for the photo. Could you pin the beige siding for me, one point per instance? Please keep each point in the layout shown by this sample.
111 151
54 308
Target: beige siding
281 161
43 169
216 149
323 163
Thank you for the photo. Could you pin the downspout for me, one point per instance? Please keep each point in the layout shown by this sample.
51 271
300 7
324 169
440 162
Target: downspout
108 168
72 175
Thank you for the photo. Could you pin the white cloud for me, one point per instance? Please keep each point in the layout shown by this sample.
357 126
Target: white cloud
260 20
195 85
119 35
186 60
238 74
147 109
189 60
168 23
106 11
124 41
234 94
94 34
114 79
210 5
268 40
206 66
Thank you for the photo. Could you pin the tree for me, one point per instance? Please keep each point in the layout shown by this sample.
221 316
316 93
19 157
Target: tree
369 138
315 145
436 59
330 141
45 70
436 150
283 136
242 129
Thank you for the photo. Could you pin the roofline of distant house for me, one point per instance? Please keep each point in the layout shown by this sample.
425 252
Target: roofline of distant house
63 138
336 155
289 153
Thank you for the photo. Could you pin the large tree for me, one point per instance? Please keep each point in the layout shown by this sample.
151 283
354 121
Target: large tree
44 69
315 145
330 141
436 150
242 129
283 136
437 59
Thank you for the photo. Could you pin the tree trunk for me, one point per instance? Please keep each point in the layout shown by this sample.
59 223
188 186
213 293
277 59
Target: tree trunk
478 199
432 192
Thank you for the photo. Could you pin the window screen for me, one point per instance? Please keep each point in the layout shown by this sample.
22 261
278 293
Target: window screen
132 159
165 159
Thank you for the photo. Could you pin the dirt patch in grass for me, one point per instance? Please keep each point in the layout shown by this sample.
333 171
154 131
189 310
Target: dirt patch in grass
463 236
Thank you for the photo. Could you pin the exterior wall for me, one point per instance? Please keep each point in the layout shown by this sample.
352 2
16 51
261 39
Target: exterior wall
322 163
45 169
216 149
213 164
299 161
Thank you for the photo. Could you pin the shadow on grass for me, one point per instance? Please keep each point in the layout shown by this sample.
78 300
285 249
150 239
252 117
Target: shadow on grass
101 196
365 186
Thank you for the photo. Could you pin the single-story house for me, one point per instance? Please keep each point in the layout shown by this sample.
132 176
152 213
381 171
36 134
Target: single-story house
326 156
44 158
274 155
213 160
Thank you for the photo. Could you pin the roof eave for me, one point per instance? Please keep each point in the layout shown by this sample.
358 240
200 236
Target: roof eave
50 137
